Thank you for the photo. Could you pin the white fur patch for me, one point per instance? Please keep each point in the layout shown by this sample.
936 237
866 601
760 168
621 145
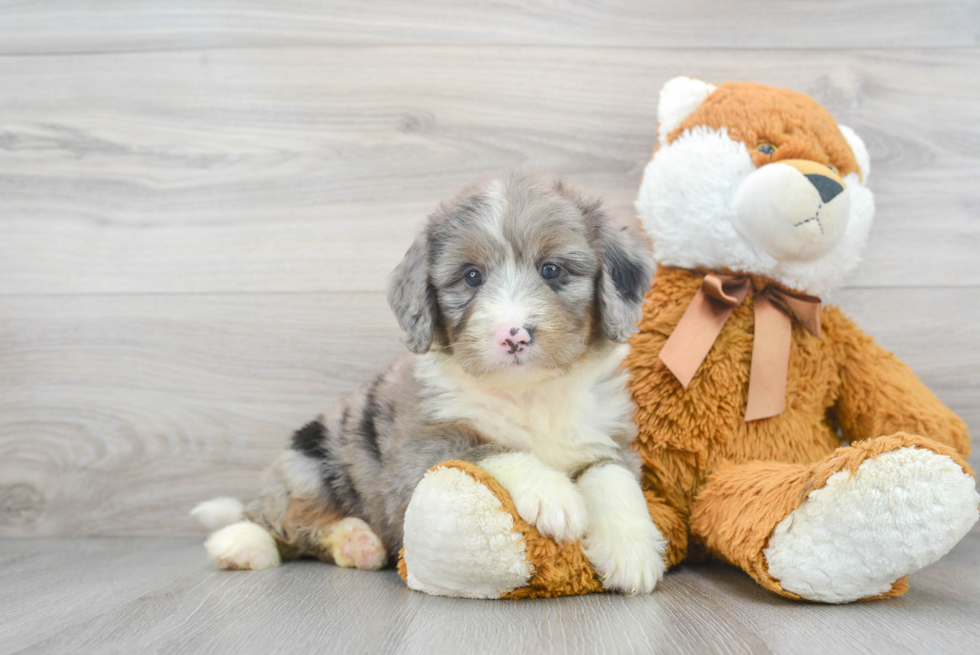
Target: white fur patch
565 419
621 541
459 541
686 205
217 513
243 545
856 536
678 98
859 149
544 497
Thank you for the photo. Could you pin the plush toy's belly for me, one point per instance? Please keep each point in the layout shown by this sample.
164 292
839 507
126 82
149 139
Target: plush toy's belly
684 434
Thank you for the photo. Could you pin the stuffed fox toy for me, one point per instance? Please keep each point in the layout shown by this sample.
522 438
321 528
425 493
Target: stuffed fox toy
775 435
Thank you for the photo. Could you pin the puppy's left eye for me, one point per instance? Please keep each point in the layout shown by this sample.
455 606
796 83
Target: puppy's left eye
473 277
550 271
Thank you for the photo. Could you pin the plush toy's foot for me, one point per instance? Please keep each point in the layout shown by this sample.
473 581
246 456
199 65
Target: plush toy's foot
243 545
857 535
464 537
353 545
846 528
459 540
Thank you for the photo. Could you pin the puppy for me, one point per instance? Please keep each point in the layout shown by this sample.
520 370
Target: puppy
516 300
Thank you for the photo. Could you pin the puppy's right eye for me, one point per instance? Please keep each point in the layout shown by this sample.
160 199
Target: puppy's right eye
767 149
473 277
550 271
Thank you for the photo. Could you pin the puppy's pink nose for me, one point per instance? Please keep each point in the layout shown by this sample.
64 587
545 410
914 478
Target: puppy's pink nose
512 339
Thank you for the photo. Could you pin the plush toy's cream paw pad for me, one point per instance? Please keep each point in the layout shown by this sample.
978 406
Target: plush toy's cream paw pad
353 545
622 542
857 535
243 546
459 541
544 497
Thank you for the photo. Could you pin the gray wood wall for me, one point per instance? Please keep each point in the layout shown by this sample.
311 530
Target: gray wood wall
199 202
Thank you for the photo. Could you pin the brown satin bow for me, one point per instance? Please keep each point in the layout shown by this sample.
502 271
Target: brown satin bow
774 310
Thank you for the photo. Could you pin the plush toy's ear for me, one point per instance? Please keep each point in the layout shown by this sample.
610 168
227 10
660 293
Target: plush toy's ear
678 98
859 149
412 298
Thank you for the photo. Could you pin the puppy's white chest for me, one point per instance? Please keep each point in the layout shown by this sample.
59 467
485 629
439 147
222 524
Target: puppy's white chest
564 431
566 422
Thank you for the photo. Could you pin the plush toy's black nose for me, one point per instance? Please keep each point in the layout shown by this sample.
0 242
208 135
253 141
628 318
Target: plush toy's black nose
826 187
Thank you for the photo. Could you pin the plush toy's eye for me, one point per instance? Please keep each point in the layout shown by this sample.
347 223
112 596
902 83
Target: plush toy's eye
767 148
473 277
833 168
550 271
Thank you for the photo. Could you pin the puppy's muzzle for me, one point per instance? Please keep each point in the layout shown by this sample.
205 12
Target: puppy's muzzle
513 339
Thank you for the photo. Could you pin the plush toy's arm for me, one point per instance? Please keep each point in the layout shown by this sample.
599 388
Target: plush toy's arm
880 395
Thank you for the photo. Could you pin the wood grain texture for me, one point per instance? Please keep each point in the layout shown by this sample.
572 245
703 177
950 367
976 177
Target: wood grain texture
297 169
48 586
89 26
119 413
163 596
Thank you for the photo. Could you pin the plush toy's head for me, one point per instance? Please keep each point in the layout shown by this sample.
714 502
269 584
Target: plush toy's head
755 179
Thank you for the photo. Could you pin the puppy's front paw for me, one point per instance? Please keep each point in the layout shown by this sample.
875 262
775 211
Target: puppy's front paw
553 505
629 562
544 497
621 542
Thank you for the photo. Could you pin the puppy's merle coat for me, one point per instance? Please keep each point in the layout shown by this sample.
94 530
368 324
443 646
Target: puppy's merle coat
516 300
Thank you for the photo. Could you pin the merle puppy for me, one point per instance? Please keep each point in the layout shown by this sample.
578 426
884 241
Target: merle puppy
516 300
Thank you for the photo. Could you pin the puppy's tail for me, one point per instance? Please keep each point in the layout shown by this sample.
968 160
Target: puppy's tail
217 513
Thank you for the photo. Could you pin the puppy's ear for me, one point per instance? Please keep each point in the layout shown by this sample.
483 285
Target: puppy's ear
627 266
412 297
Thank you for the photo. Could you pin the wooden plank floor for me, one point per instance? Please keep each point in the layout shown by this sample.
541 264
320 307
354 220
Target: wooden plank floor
200 201
162 596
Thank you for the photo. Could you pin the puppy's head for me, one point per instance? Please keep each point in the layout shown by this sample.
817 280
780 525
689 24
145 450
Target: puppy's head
519 270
